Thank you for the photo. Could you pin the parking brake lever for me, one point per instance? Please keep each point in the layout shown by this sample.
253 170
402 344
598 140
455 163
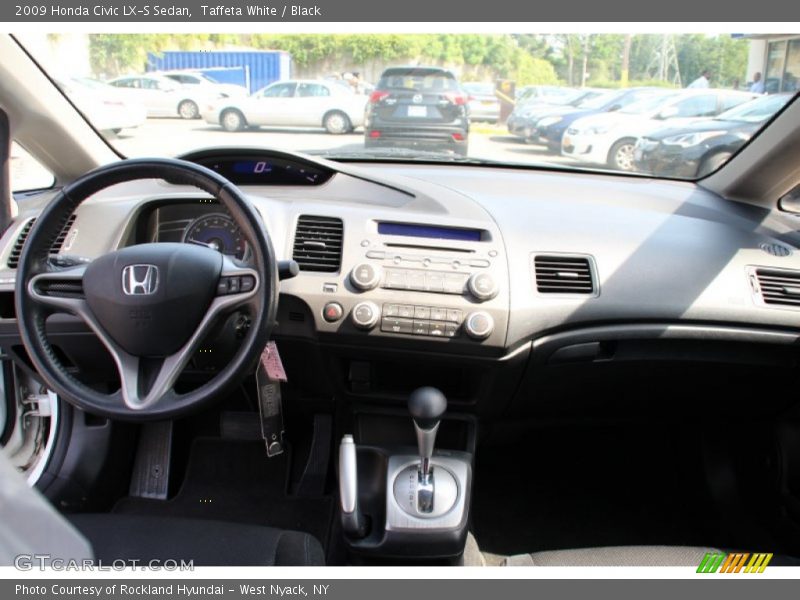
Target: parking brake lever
354 523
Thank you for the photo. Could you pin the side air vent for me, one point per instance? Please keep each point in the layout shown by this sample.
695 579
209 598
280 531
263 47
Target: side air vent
16 251
563 274
779 287
62 237
318 243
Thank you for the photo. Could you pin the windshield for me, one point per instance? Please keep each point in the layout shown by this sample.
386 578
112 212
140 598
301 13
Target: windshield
483 89
446 97
648 105
600 101
756 111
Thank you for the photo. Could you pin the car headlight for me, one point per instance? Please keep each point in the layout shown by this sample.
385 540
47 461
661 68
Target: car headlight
547 121
686 140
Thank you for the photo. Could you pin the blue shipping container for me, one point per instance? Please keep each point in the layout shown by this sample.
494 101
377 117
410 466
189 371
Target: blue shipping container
251 68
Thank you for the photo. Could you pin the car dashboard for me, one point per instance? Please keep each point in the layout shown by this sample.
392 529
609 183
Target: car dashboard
473 278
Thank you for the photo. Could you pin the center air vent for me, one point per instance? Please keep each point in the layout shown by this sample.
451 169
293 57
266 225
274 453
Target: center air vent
318 243
779 287
564 274
16 251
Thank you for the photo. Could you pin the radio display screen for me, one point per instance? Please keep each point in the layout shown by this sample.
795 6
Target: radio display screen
429 231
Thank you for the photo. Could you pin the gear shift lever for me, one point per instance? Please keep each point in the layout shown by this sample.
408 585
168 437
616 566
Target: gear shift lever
426 405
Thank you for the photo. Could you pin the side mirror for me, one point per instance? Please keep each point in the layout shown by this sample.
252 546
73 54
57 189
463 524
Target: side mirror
668 112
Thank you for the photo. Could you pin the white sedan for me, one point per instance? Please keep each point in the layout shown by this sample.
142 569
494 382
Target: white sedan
609 138
295 103
164 97
103 104
201 81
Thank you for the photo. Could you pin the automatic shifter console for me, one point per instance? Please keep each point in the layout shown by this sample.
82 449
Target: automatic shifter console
422 507
426 405
423 490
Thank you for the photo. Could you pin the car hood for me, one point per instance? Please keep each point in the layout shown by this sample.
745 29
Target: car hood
705 125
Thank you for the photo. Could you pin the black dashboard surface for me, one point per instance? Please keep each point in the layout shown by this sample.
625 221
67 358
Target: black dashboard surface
658 252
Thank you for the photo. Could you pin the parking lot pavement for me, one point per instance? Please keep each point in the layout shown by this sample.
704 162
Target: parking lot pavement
172 137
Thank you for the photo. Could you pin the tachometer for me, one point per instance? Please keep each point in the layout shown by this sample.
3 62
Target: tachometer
217 232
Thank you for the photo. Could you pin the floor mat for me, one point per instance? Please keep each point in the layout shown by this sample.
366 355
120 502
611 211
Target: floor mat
235 481
586 487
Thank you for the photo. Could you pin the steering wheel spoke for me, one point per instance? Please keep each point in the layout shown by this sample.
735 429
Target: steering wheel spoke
60 291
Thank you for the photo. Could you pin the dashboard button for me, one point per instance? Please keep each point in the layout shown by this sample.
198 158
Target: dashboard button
395 279
397 325
233 285
438 329
422 312
454 316
479 262
421 327
482 286
454 283
434 282
415 280
450 330
365 315
332 312
379 254
479 325
248 283
406 311
438 314
391 310
365 276
222 286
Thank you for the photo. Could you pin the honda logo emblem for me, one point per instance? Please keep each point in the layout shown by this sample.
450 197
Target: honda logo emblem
139 280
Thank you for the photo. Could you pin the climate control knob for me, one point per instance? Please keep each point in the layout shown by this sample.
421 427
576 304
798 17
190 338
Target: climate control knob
482 286
365 276
479 325
365 315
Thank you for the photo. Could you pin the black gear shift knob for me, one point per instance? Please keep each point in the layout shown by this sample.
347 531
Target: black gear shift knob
427 405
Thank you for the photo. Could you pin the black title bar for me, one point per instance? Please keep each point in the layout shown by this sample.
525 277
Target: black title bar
443 11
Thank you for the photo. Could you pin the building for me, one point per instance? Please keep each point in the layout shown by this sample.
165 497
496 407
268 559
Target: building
777 58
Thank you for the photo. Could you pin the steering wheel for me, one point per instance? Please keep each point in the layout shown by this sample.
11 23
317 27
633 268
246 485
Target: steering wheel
151 305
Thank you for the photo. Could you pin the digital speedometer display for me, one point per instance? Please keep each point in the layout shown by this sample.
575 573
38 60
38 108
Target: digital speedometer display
218 232
266 170
252 167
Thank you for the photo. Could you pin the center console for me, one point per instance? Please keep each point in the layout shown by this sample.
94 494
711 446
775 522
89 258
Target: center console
398 503
418 283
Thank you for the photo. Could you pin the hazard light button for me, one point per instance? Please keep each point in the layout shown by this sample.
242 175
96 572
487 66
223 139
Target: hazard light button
332 312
